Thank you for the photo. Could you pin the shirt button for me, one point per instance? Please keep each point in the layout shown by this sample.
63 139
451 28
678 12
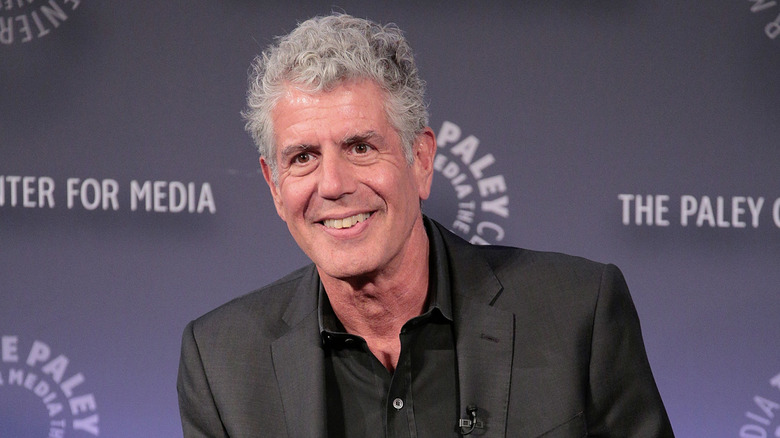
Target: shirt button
398 404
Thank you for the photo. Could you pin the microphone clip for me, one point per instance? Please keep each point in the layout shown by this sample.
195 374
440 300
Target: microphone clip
467 425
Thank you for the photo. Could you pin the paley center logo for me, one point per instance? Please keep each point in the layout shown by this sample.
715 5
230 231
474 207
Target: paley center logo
771 29
22 21
40 395
481 204
761 418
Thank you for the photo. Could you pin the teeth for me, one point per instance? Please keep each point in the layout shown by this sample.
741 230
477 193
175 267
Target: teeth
346 222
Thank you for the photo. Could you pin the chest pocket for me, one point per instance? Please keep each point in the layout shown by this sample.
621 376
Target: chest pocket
572 428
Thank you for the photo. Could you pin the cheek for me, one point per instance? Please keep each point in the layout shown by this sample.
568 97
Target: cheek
388 177
404 184
388 187
408 184
295 196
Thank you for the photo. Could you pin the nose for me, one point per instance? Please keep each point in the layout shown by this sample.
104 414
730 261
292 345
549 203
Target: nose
336 177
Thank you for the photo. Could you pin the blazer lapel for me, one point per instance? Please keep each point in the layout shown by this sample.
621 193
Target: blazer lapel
484 343
299 364
484 336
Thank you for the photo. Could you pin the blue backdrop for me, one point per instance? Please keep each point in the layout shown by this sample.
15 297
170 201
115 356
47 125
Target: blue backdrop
635 132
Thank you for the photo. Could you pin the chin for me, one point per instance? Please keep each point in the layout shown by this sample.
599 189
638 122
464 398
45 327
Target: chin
343 272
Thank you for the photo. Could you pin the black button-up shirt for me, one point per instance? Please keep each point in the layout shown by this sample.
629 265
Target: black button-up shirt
419 399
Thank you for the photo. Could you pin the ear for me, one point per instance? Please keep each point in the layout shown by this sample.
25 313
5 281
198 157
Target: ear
273 187
424 152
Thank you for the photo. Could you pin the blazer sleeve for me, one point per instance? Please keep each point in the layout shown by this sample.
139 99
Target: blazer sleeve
623 399
199 415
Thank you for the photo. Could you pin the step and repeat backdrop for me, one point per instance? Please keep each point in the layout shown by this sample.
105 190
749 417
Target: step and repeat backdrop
642 133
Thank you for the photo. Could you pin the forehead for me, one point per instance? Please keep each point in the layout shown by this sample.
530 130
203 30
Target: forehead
350 108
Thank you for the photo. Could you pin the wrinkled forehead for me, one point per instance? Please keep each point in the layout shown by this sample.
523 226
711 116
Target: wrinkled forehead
346 110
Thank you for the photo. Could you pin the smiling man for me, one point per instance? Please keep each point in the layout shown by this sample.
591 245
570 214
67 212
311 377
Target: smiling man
399 328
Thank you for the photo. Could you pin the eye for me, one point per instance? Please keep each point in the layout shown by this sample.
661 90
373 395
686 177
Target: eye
302 158
361 148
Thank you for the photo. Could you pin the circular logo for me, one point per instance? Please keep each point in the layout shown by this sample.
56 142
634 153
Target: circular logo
761 417
477 205
768 8
22 21
40 395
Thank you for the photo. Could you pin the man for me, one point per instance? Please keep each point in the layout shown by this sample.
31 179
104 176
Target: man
399 328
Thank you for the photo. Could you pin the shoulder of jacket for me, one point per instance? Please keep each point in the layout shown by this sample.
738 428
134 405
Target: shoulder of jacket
263 306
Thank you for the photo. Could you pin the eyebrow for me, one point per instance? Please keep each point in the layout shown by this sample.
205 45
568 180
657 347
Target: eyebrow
295 149
361 137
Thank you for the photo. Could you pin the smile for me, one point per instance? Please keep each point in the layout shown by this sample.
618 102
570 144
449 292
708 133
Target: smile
346 222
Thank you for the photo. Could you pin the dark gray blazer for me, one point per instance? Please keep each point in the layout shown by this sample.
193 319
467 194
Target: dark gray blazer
547 345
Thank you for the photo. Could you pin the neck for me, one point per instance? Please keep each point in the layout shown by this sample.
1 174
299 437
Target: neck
376 306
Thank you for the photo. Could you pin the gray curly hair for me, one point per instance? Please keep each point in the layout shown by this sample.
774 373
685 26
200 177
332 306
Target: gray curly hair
323 52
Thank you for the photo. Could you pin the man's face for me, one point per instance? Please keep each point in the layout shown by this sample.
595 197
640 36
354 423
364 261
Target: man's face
345 190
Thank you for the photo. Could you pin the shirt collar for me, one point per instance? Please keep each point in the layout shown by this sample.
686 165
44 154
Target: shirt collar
439 294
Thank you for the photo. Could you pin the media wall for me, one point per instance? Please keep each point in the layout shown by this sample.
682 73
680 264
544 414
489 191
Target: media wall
642 133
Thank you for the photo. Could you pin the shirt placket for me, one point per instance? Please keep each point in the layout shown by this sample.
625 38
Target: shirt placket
400 402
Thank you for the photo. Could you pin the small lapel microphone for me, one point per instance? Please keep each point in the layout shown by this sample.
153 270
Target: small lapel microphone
467 425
